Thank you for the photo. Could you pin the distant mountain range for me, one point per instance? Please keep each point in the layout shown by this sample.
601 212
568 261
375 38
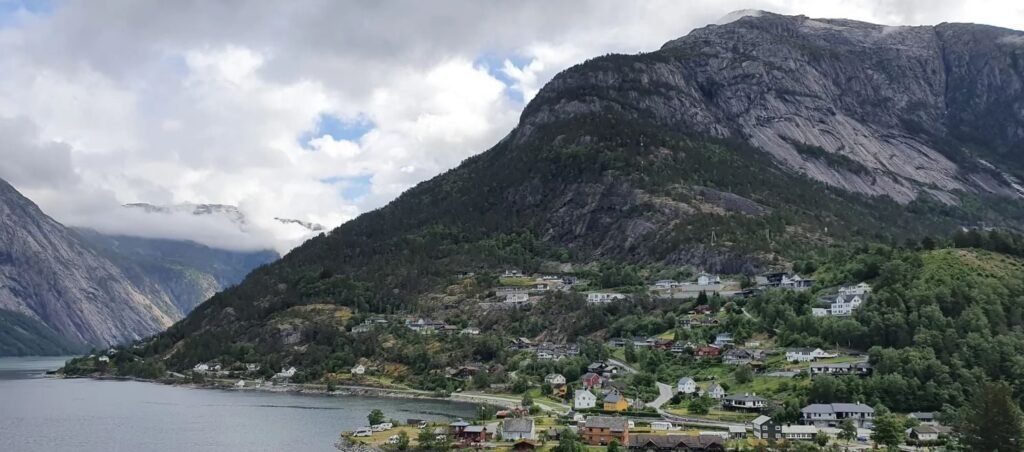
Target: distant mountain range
62 289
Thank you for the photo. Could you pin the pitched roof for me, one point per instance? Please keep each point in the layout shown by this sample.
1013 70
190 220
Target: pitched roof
714 387
519 425
612 397
761 420
697 442
615 424
686 380
745 397
828 408
584 392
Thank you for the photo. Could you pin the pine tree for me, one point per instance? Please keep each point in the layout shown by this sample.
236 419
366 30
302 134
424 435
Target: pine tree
993 422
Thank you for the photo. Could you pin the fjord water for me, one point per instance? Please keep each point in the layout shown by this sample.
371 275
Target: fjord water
51 414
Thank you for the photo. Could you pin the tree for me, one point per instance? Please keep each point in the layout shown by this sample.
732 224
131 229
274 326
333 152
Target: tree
485 412
847 431
527 400
403 441
546 389
888 430
375 417
992 421
743 374
700 405
821 439
614 446
569 442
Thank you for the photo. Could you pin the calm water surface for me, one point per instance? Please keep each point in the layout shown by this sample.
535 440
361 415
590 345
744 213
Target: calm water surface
49 414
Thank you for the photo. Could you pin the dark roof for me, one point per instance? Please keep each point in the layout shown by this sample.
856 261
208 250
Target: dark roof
615 424
475 429
700 442
612 397
520 425
744 398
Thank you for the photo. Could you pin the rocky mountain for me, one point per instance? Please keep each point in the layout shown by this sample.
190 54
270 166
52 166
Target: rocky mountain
49 275
736 148
63 288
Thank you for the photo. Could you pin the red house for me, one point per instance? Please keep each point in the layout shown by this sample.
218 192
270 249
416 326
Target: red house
462 431
590 380
707 351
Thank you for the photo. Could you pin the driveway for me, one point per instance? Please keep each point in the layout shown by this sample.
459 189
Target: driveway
664 395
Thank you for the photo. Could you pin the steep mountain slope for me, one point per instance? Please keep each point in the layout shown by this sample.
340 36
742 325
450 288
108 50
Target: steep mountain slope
189 273
731 149
49 275
63 288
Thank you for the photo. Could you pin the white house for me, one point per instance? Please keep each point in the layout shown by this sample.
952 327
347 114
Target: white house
686 385
604 297
706 280
554 379
819 312
584 399
800 355
799 432
859 289
359 369
844 305
745 402
517 298
240 384
715 391
103 359
472 331
201 367
833 414
287 373
517 429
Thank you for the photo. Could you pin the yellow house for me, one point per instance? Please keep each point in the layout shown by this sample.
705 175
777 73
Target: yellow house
615 402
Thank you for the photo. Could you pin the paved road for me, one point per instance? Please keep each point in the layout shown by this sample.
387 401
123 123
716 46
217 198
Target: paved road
664 395
626 367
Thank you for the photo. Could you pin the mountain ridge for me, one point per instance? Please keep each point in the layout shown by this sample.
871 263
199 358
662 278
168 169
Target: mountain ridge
627 162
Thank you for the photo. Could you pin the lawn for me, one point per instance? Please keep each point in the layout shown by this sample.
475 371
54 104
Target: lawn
517 281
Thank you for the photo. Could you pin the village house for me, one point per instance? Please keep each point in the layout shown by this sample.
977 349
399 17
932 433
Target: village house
819 312
678 347
860 289
861 369
924 417
616 342
512 274
715 391
740 356
284 373
661 425
844 305
706 280
601 430
511 290
103 359
359 369
799 432
688 443
614 401
604 297
424 326
723 339
800 355
584 399
795 282
472 331
603 369
750 402
517 298
707 352
833 414
686 385
554 379
590 380
928 433
766 429
517 429
463 431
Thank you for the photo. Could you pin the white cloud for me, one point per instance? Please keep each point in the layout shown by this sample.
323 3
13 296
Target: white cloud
194 101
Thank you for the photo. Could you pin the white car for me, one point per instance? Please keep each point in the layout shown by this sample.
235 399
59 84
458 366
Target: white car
363 431
387 426
377 428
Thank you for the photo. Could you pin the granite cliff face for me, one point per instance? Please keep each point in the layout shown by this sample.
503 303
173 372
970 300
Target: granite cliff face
871 109
86 288
49 275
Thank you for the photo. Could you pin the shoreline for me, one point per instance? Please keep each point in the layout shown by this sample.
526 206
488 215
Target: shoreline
339 391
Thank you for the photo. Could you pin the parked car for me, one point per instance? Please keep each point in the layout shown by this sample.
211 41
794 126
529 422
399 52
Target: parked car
363 431
377 428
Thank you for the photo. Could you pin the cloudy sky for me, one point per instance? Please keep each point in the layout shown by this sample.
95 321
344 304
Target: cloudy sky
315 109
